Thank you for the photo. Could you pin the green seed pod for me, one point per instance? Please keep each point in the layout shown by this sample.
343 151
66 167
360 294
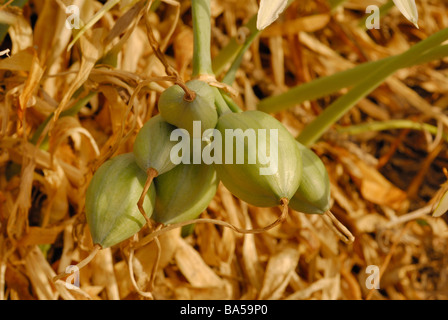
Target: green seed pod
313 195
258 179
176 110
152 145
184 192
152 150
111 198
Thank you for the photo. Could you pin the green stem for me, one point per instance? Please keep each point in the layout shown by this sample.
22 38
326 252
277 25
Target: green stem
231 73
202 61
330 84
220 103
390 125
231 50
335 111
232 104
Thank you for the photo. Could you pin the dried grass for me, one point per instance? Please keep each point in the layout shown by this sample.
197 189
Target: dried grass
384 184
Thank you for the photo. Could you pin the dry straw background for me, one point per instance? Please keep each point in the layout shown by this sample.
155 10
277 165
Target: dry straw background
384 184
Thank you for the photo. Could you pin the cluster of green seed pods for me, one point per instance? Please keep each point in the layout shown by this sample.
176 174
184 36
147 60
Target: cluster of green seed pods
261 163
146 180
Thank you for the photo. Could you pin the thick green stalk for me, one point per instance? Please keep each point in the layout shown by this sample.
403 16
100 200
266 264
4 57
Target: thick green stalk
324 86
335 111
202 61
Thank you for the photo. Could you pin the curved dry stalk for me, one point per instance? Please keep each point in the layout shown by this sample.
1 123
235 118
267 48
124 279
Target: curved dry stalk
416 214
170 33
121 136
81 264
170 71
151 173
137 90
68 132
190 95
157 233
147 294
211 80
131 274
156 264
341 231
74 289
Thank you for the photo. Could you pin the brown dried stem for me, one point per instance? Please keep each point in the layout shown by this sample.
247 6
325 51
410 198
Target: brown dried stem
131 275
159 232
152 173
343 233
81 264
170 71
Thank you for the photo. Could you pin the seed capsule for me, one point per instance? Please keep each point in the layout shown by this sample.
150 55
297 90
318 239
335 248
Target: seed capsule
176 110
152 145
152 150
258 178
111 211
313 195
184 192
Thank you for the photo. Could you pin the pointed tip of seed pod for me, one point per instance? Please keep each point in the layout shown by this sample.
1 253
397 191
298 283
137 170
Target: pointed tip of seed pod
285 210
152 173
